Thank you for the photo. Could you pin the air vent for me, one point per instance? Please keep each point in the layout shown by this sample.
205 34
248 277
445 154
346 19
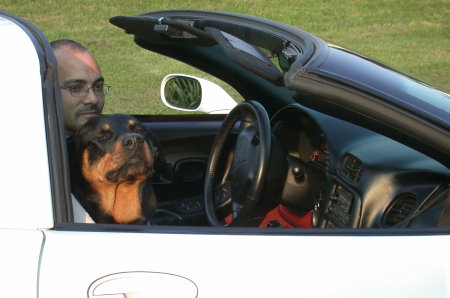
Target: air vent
399 210
352 168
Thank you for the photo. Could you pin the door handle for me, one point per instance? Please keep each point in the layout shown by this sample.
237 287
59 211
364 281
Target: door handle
143 284
189 171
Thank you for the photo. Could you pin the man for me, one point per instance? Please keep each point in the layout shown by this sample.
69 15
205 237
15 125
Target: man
82 84
82 93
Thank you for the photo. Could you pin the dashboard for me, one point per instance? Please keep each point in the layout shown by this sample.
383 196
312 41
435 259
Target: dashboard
353 177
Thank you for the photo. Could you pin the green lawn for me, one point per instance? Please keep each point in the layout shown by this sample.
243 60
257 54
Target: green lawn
410 35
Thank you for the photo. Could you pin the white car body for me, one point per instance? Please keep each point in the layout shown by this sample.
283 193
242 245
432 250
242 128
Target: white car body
39 257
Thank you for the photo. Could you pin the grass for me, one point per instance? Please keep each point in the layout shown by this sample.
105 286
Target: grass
410 35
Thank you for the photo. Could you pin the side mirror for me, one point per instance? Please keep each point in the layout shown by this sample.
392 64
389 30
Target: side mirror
189 93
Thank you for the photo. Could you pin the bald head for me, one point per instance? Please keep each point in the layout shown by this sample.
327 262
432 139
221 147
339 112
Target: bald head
69 44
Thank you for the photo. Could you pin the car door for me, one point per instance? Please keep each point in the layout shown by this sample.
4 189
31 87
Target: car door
113 261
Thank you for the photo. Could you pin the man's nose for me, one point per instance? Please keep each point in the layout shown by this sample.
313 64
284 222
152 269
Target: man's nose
91 97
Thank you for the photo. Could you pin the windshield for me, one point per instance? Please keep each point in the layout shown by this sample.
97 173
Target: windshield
389 84
422 92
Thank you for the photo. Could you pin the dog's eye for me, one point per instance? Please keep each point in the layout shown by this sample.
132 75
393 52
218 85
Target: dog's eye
104 137
139 131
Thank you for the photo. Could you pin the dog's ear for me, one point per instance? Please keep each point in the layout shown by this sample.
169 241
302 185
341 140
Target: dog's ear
74 165
71 151
158 155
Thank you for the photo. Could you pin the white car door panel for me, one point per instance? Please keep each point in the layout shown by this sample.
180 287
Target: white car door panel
172 264
19 262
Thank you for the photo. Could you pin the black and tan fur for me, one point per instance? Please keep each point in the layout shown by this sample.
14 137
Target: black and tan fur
112 162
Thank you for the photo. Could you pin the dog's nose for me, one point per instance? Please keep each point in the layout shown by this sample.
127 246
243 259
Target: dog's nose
132 141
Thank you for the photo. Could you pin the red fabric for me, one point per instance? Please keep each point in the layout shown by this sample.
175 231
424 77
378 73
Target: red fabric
282 215
286 218
295 220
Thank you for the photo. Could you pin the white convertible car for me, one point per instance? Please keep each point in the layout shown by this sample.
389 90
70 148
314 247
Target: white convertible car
330 179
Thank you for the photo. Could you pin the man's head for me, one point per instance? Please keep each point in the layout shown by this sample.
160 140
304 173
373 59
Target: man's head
77 71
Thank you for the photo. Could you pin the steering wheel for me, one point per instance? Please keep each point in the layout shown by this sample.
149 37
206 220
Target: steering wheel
238 166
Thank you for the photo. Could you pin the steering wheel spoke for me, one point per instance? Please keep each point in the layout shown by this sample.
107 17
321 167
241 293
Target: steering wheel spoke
222 194
236 207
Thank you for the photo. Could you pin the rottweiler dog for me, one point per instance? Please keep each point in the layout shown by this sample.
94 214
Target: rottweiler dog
112 160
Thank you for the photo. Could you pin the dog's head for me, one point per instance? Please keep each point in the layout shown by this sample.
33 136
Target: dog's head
114 149
111 158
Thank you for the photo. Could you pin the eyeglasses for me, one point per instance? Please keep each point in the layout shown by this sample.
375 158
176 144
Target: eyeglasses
78 91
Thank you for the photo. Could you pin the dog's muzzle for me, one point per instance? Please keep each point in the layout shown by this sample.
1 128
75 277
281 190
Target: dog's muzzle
133 141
